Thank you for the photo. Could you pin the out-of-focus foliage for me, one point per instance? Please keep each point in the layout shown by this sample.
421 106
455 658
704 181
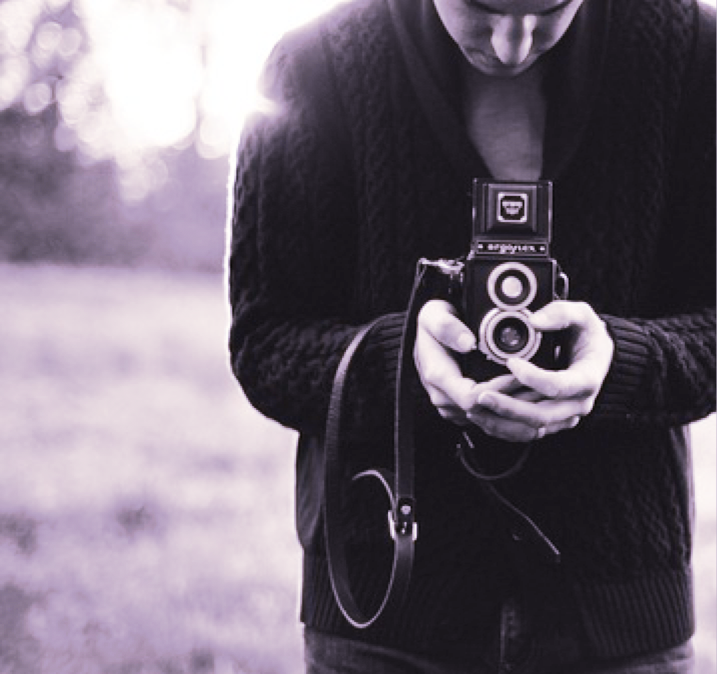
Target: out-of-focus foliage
68 192
51 207
116 119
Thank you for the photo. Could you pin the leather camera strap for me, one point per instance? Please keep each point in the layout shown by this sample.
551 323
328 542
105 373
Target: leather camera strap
399 487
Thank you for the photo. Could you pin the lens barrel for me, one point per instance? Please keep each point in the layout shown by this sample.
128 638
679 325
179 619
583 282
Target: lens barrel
505 334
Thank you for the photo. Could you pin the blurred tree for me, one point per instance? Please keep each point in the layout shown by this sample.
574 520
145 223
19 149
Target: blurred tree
75 184
50 207
53 206
116 119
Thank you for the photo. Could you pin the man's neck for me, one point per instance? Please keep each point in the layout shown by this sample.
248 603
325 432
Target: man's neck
505 119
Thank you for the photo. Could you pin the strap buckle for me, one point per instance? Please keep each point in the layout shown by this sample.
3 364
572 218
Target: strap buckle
402 521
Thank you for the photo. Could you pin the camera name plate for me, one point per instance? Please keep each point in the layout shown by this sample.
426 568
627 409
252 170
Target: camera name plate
523 248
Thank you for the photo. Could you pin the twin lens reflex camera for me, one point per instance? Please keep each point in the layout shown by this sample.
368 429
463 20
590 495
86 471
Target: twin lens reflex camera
507 275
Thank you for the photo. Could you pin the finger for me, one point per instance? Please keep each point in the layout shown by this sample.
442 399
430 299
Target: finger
579 379
590 336
441 375
529 395
502 428
454 414
515 431
443 380
561 315
535 414
552 429
505 383
439 319
447 408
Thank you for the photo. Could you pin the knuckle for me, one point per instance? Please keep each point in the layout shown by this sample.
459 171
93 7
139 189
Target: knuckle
428 372
433 375
435 314
552 388
465 395
437 398
593 385
585 311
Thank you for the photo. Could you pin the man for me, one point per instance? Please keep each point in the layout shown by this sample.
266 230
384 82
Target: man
351 176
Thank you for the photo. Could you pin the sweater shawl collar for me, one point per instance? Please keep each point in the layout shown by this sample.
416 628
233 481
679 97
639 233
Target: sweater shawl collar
574 74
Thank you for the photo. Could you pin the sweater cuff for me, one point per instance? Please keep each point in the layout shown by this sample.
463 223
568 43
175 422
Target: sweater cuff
619 394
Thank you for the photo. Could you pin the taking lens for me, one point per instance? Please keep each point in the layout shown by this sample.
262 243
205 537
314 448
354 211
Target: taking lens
511 335
505 334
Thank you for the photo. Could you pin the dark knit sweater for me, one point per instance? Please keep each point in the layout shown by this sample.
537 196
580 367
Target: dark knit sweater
342 185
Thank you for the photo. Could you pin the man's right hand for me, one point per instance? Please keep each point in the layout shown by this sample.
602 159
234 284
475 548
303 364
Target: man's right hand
440 336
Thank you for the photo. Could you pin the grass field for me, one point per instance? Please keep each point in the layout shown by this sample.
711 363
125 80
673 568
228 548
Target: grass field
146 521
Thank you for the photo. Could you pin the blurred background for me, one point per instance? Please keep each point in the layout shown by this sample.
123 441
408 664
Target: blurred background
146 511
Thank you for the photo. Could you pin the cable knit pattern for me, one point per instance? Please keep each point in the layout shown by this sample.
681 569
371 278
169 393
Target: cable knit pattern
327 226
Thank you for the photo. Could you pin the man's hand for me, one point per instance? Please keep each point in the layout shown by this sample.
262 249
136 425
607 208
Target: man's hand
529 402
440 336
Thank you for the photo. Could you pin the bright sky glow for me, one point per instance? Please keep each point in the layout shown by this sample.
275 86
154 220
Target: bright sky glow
161 66
155 74
165 71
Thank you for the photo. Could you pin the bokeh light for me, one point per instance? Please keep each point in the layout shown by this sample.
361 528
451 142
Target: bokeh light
132 79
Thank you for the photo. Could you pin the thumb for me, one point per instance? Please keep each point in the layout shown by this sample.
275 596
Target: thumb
560 315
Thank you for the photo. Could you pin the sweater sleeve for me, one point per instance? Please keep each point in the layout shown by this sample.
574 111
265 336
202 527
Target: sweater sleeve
290 263
663 372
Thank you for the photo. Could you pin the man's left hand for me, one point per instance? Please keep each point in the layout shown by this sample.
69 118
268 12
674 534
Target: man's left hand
551 401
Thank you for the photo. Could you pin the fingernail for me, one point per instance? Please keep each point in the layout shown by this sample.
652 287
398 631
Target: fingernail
466 342
541 432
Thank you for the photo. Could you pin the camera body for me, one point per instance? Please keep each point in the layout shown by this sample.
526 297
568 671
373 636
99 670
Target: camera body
507 275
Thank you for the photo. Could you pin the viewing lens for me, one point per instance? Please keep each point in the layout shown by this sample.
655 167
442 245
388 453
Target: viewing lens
512 287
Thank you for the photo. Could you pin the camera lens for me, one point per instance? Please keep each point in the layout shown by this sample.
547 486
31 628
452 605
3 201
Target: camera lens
512 285
511 335
508 334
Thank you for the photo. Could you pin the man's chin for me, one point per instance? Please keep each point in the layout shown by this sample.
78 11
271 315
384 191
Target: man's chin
491 66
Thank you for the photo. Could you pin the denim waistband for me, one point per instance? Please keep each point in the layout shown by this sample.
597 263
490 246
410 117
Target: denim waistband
518 646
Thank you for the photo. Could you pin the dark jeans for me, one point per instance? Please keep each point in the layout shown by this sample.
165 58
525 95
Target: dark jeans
515 651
